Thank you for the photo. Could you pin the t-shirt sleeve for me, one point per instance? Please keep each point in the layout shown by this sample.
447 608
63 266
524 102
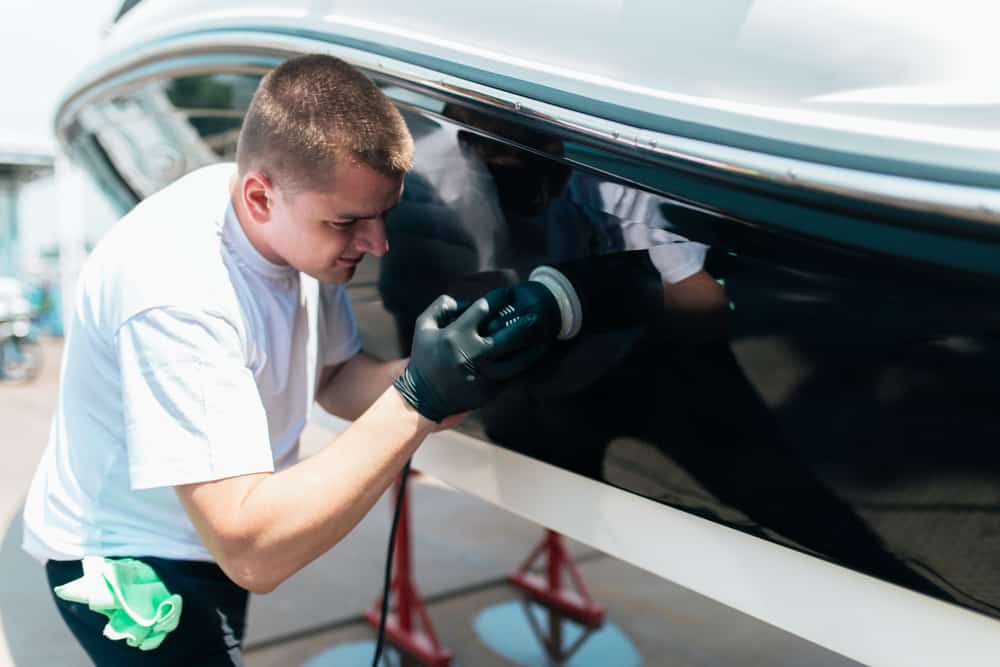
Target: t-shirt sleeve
192 410
642 225
675 257
341 341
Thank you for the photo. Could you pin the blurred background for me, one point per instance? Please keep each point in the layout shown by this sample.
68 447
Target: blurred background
50 213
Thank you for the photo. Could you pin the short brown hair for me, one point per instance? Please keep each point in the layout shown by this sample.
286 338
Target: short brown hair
313 110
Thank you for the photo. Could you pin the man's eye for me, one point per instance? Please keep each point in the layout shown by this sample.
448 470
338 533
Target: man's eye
340 224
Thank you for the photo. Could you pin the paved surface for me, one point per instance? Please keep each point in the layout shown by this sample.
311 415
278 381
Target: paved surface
463 549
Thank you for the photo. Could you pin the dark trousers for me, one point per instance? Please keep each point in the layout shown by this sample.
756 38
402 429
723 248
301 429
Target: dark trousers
210 633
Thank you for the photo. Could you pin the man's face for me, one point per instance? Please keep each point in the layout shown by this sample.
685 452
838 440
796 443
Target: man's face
326 232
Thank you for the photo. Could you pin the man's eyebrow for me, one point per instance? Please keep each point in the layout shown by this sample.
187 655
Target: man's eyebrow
359 216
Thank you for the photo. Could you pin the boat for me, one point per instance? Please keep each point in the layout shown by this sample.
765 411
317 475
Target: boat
807 432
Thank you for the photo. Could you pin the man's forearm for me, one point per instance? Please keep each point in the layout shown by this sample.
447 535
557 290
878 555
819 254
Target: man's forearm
280 522
697 309
356 385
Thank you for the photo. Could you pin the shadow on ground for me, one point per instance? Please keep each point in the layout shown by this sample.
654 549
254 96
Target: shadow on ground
35 634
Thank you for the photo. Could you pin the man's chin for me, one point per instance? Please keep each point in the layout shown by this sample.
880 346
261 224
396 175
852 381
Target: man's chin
339 275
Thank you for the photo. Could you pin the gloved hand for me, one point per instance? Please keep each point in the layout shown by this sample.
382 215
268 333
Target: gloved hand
611 292
454 367
528 298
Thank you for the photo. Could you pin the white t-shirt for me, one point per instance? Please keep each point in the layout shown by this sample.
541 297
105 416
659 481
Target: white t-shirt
190 358
642 224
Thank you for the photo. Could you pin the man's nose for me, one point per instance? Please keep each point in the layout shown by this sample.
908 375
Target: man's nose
370 237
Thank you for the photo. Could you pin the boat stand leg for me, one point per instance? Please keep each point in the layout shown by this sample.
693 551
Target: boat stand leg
572 603
408 626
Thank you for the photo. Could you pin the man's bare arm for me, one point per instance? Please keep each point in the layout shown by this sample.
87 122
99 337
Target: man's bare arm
346 390
263 528
699 307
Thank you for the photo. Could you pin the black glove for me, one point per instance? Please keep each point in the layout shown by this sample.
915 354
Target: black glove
454 368
528 298
616 291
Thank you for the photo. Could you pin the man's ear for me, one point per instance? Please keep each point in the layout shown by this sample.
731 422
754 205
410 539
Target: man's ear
258 196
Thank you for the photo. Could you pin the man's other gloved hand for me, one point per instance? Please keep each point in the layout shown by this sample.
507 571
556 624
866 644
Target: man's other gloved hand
528 298
617 291
455 366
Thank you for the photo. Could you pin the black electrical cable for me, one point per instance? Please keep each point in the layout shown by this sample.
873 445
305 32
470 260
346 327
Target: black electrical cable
388 564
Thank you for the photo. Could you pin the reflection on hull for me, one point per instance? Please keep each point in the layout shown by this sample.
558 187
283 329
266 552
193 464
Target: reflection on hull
833 397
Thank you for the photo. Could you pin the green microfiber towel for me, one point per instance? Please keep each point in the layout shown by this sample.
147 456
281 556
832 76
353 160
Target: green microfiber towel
139 607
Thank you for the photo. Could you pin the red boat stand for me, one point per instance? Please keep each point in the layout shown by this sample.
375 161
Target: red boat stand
549 592
408 626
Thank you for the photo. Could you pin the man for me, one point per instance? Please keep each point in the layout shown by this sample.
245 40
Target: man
206 322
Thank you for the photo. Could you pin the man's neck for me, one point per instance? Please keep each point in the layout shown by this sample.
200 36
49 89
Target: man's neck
248 226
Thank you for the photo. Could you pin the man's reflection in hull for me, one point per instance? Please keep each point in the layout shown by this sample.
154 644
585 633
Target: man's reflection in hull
673 383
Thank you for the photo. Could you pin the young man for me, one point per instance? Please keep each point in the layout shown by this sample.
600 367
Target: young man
206 323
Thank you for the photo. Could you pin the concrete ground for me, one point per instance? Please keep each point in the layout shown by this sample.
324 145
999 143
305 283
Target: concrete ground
463 548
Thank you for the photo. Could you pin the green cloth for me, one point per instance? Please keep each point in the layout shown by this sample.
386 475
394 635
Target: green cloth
139 607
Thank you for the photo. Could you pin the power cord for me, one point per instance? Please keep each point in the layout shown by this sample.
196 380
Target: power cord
388 564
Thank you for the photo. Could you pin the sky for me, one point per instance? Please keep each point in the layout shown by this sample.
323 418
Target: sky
44 45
